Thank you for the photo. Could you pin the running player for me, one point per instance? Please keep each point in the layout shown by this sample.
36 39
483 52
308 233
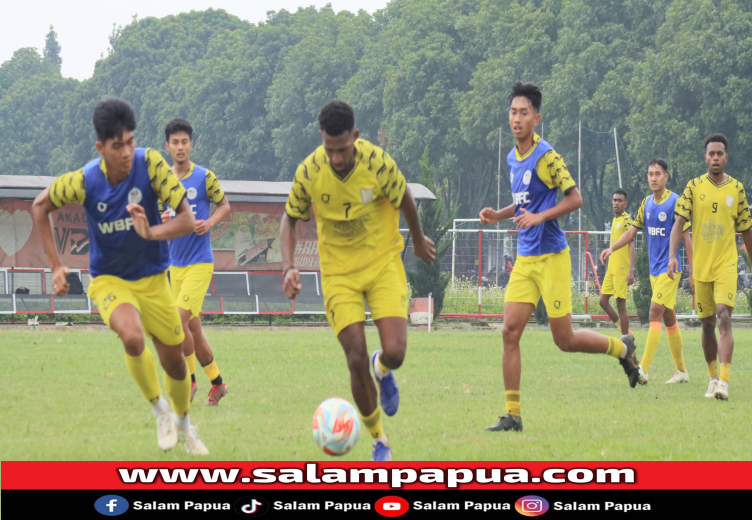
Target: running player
357 193
716 204
120 192
191 257
543 266
656 216
620 272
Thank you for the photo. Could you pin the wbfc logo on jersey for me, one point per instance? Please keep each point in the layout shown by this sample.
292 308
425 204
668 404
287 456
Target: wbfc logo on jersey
521 198
134 196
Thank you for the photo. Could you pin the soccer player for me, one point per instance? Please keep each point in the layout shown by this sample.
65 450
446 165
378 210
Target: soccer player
357 193
620 271
120 192
716 204
543 266
656 216
191 257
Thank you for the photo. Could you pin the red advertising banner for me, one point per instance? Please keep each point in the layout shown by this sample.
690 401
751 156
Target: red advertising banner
247 241
377 476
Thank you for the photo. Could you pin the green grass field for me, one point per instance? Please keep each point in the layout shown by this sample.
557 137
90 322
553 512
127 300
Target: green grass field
68 396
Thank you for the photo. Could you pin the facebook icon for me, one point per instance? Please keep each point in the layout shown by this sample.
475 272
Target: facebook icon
111 505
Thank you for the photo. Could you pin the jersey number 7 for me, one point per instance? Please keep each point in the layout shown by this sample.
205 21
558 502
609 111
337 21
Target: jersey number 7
347 206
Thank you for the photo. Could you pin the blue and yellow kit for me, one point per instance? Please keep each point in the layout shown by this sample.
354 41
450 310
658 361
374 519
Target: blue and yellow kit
191 256
543 267
357 218
125 267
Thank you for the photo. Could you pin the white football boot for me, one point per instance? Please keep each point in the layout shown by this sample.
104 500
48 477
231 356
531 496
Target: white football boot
643 380
711 388
193 443
678 377
167 432
721 391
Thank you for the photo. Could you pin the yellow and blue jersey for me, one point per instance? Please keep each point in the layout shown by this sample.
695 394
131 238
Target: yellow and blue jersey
535 179
115 247
202 188
657 218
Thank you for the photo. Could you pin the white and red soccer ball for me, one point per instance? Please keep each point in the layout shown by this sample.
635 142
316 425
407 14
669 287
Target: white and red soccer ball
336 425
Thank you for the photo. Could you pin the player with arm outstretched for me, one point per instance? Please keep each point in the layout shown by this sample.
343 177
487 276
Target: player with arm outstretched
120 192
357 193
620 272
191 256
716 204
543 266
656 217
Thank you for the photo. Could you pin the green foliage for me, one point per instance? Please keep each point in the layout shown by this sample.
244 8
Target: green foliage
419 73
541 314
429 278
52 49
642 292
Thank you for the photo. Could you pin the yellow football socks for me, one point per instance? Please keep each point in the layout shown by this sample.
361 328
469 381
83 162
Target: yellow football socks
713 369
191 362
373 423
384 369
212 370
725 371
143 370
651 345
615 347
675 346
180 393
513 403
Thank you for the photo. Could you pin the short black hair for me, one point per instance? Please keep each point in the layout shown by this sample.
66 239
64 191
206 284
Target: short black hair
717 138
112 117
529 91
176 126
660 162
336 118
619 191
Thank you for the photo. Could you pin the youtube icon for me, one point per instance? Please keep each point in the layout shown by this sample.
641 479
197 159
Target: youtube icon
392 506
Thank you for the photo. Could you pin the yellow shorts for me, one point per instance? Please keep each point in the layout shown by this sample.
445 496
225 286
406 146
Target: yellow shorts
709 294
615 284
189 285
549 277
385 290
152 298
664 289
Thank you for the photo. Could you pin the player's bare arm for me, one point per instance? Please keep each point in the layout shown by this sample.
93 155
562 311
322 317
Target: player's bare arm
676 235
630 274
223 210
287 241
489 216
747 238
181 225
572 201
626 238
41 209
687 237
423 246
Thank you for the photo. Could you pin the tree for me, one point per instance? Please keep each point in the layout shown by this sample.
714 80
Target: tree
52 49
429 278
642 292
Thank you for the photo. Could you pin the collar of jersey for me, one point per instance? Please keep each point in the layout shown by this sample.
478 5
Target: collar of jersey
536 140
190 172
103 167
707 176
665 195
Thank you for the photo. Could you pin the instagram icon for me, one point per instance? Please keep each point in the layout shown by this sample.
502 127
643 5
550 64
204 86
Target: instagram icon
531 505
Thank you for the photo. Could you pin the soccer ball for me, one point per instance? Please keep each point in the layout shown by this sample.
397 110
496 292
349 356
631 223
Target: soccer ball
336 426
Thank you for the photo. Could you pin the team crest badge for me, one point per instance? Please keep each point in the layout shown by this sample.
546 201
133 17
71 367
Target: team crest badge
102 207
366 195
648 215
526 177
618 225
192 193
662 216
134 196
511 178
729 201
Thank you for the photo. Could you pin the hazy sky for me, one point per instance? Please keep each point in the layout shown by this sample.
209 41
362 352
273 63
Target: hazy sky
83 26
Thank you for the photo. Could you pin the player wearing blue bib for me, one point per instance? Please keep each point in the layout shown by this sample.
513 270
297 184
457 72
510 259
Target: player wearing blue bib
120 192
543 267
191 257
656 217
